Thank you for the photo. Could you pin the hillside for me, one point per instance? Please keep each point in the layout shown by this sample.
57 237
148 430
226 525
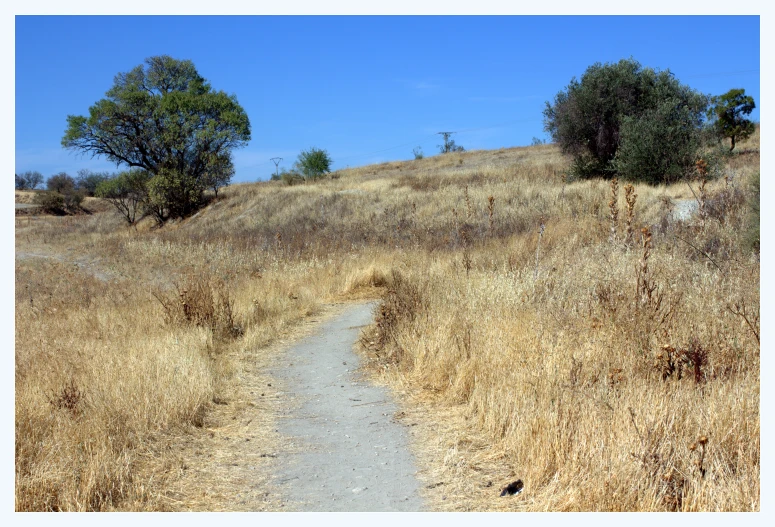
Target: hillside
525 331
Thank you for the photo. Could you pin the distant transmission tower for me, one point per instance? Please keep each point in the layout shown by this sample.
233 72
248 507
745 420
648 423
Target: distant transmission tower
447 145
276 161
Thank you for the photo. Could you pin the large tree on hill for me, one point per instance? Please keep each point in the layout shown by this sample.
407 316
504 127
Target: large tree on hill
166 119
622 103
727 113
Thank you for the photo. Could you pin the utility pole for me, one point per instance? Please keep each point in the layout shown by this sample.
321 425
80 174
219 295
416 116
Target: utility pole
446 140
276 161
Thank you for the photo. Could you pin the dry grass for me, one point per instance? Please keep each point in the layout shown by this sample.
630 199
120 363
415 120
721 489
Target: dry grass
566 364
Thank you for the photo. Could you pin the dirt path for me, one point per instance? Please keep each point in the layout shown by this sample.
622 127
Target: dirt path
302 432
347 452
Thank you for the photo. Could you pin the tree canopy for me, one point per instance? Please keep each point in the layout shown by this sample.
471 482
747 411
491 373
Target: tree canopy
314 163
165 118
623 103
28 180
727 113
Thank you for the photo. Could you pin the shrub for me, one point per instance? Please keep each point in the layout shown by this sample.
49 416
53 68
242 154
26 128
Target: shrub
127 192
51 202
291 177
174 194
313 163
418 153
202 302
73 199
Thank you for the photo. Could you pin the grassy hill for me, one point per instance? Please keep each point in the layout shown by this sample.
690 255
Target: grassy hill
526 316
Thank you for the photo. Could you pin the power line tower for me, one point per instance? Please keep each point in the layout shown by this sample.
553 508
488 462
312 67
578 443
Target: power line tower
276 161
448 145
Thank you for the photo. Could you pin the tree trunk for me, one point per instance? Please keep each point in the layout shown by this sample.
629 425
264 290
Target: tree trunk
733 143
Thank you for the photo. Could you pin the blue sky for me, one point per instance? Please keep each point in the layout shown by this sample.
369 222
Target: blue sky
366 89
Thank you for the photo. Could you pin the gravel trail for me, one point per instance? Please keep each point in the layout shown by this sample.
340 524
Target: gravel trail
347 453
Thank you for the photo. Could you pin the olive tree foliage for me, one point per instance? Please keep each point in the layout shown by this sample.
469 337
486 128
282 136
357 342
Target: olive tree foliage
128 192
313 163
659 146
164 118
726 114
28 180
627 120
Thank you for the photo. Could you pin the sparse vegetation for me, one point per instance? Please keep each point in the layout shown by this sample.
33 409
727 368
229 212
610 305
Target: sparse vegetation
606 376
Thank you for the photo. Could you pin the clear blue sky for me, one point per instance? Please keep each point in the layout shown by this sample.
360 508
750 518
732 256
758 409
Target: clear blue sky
367 89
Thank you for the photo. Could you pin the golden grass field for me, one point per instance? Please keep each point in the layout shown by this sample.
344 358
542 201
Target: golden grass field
530 335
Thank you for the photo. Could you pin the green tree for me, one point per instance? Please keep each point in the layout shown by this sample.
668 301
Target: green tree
166 119
727 113
127 191
313 163
592 117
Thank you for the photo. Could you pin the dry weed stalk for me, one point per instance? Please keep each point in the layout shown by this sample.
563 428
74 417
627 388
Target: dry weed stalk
491 212
752 319
469 207
613 207
465 238
538 248
702 172
564 180
645 287
279 241
702 210
630 196
700 462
